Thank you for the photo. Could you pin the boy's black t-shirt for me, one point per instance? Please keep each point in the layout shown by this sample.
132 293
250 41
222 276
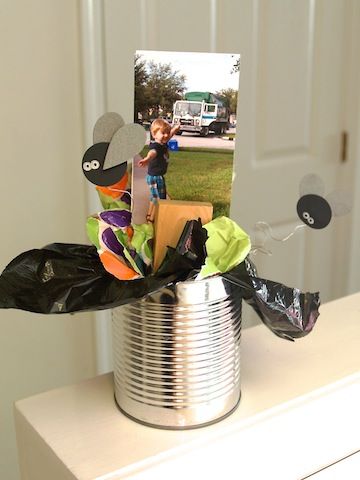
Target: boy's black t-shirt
159 164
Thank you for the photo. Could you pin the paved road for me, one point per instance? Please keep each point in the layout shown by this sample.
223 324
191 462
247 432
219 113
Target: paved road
211 141
140 192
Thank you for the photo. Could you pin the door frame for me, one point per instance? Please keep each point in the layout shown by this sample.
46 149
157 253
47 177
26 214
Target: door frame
353 284
94 105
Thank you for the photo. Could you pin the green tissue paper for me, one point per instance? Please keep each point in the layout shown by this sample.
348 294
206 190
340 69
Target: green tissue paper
227 246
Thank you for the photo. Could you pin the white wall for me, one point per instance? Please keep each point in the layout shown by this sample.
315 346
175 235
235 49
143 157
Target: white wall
42 195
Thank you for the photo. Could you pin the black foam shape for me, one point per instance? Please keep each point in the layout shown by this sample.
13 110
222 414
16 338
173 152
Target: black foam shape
93 166
314 211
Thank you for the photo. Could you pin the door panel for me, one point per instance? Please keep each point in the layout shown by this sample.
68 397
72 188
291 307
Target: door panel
124 32
283 94
179 26
290 122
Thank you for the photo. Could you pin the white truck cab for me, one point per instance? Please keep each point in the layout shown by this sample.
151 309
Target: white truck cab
200 116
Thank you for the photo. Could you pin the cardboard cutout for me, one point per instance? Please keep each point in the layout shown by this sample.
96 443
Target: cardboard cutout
105 162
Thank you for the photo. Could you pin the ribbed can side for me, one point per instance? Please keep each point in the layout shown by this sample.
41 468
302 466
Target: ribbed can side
177 354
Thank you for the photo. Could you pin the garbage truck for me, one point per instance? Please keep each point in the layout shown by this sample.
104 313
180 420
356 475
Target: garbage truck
201 112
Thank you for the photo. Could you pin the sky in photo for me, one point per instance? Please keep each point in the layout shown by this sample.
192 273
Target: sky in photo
208 72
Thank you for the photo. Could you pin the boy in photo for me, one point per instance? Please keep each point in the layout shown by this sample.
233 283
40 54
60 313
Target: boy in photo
157 161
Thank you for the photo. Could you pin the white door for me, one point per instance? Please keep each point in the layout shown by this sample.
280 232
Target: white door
292 115
293 107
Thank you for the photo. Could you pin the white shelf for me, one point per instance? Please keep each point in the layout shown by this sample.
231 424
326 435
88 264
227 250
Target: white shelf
298 413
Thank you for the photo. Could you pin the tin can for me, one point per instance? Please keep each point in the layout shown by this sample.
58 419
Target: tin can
177 354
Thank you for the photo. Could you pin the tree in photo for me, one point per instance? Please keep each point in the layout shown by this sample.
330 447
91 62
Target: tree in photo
164 86
230 95
140 80
236 66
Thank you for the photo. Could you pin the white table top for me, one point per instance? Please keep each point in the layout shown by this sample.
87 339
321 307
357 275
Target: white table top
280 380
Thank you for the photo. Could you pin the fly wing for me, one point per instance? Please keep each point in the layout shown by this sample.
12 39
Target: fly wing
106 126
340 202
125 144
311 184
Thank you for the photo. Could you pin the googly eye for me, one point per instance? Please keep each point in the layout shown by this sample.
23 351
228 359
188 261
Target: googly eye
95 164
308 218
87 166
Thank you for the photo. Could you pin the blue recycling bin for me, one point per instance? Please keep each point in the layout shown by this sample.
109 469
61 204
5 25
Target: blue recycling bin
173 145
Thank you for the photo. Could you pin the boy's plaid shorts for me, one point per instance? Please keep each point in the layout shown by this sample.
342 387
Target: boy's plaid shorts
157 187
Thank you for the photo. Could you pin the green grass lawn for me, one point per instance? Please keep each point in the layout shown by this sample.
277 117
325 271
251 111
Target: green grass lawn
201 174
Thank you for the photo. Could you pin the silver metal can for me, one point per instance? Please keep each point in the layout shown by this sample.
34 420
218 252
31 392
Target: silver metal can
177 354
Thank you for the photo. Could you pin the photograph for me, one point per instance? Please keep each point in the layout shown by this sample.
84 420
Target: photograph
187 103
